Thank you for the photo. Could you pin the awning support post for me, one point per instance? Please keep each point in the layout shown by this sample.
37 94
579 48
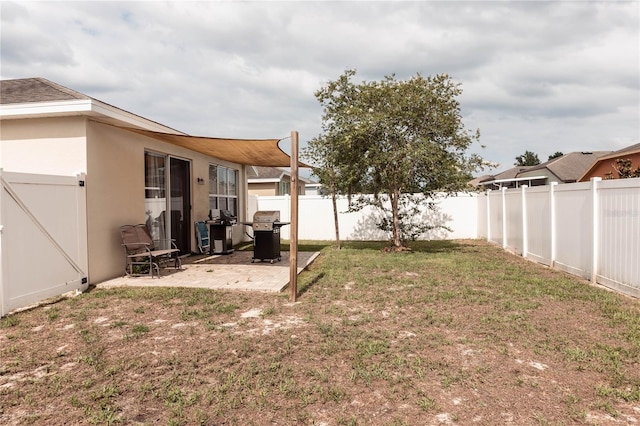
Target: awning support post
293 243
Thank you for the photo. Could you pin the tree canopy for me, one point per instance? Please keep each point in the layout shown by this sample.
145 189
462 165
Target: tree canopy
527 159
557 154
394 138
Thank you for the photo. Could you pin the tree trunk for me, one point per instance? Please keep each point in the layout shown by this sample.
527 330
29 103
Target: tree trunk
394 197
335 216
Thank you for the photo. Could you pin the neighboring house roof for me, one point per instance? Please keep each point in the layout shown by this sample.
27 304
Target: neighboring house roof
260 174
476 181
39 97
621 153
628 150
265 174
504 176
512 172
568 168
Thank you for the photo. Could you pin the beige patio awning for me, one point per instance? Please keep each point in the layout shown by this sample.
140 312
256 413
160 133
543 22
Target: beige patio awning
251 152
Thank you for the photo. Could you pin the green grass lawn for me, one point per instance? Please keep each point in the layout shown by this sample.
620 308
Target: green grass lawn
453 332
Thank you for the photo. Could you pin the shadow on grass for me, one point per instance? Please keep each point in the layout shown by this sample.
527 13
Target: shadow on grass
435 246
304 286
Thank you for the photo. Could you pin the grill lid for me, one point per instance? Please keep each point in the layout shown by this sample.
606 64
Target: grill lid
263 220
266 216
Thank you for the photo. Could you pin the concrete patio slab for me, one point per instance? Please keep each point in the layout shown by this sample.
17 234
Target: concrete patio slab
229 272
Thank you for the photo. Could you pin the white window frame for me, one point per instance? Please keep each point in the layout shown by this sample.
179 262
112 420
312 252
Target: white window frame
221 195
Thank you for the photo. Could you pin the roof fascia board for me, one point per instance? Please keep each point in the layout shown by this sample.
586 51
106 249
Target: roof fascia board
263 180
513 180
45 108
617 155
129 118
89 107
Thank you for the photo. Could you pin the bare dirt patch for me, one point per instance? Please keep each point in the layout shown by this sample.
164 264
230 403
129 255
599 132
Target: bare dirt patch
443 335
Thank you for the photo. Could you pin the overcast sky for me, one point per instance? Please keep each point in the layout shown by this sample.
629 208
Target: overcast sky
538 76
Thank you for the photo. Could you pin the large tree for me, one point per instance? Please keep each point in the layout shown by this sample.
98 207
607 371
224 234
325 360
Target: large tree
330 164
394 138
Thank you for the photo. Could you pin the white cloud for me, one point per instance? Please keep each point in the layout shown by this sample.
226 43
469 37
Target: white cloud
538 76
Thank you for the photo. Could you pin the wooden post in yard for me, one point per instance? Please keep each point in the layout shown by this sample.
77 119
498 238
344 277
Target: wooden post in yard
293 243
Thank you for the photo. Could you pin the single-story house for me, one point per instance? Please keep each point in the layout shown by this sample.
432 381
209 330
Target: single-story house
564 169
313 188
272 181
135 170
504 179
605 167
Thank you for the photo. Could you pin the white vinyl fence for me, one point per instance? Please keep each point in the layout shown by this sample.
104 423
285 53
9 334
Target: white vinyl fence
315 218
589 229
43 238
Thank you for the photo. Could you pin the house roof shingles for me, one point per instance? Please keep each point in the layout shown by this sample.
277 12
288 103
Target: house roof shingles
29 90
259 172
571 166
507 174
615 154
568 168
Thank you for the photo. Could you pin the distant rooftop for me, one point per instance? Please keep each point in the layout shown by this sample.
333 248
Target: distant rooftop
258 172
568 168
571 166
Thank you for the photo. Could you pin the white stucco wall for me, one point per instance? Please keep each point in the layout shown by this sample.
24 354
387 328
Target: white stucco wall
115 193
113 160
54 146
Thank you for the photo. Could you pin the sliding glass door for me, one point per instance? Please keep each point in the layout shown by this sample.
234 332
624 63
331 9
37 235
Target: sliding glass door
180 204
155 197
168 199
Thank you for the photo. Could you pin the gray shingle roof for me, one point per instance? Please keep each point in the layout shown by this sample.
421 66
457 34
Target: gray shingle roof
258 172
27 90
261 172
570 167
631 148
37 89
507 174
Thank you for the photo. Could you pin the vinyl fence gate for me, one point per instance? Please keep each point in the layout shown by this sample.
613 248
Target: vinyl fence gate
43 238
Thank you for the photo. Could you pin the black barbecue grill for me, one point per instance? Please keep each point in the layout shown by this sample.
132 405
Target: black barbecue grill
220 231
266 235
